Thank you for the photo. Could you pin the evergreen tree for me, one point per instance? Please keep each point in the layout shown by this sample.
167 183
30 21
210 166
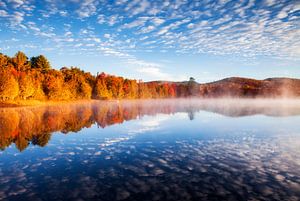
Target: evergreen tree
40 62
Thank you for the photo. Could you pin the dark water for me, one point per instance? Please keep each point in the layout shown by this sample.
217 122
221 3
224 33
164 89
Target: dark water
152 150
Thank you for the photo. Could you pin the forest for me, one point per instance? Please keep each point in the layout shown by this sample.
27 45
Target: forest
22 78
34 79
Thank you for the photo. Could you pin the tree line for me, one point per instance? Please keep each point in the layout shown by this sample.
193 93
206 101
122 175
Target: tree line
22 78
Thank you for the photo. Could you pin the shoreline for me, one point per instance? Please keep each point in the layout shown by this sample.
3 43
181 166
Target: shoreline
35 103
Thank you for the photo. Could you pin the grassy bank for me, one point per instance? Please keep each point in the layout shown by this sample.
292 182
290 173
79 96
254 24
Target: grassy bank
23 103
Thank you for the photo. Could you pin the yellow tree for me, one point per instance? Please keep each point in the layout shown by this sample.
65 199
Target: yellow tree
20 62
9 88
53 85
26 86
100 88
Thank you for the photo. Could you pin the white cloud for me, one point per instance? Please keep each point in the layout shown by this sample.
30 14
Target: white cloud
171 26
190 25
153 72
147 29
3 13
143 5
158 21
16 18
131 4
231 27
63 13
138 22
270 2
87 8
3 4
113 20
106 35
110 20
15 3
68 33
282 15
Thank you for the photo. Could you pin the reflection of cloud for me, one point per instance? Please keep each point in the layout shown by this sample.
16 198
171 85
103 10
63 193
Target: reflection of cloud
257 168
149 125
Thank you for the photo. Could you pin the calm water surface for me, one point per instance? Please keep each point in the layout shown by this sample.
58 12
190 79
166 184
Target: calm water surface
152 150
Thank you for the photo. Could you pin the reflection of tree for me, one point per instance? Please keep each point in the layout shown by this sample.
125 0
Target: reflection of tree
191 115
23 126
41 139
21 142
9 124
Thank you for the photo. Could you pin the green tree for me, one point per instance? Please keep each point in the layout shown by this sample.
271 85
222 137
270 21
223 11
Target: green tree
40 62
192 87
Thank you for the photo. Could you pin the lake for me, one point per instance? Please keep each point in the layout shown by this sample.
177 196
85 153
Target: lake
152 150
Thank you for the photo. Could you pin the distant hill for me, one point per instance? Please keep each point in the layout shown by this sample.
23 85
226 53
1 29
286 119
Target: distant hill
244 87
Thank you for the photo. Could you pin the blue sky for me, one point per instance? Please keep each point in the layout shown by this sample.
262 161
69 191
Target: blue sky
158 40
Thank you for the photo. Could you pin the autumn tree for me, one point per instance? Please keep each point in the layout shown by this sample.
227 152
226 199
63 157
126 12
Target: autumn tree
172 91
53 85
143 91
9 88
100 88
4 61
26 86
115 86
20 62
130 89
78 83
37 81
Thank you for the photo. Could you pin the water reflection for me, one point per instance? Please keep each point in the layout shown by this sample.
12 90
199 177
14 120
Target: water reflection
35 124
161 155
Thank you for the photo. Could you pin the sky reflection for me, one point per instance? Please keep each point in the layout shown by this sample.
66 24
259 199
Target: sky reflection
151 152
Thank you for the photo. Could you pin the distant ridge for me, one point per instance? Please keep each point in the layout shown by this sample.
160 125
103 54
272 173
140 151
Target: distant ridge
245 87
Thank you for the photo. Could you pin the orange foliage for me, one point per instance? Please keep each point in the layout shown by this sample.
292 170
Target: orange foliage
37 81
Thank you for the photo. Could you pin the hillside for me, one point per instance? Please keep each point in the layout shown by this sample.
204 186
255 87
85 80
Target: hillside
244 87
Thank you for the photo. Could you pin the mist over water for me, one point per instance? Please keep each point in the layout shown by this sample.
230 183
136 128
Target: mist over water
223 149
